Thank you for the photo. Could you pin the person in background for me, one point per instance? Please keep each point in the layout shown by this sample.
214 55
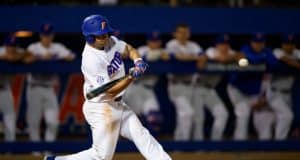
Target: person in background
9 53
278 97
245 89
180 85
41 98
107 2
145 103
204 93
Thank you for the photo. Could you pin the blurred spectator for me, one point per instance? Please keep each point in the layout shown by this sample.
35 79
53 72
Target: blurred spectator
175 3
145 102
107 2
41 98
245 89
172 3
11 53
205 95
241 3
180 86
236 3
279 98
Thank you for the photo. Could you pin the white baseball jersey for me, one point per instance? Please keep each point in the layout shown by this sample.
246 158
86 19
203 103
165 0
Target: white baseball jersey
58 51
102 66
284 82
174 46
211 80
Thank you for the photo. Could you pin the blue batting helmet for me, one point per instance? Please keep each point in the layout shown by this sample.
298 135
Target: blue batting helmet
95 25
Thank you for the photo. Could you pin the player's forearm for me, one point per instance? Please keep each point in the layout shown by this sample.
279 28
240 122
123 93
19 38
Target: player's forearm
229 58
182 57
132 52
134 55
236 57
291 63
164 56
119 87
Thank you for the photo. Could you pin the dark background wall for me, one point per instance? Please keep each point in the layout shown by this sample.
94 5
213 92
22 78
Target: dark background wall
145 19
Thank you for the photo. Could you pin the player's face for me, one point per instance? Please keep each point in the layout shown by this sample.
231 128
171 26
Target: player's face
182 34
257 46
154 44
101 41
288 48
46 40
223 47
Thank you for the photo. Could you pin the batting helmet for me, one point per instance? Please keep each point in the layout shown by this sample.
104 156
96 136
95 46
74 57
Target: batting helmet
95 25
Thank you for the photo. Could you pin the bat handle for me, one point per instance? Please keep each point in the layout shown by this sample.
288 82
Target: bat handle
90 96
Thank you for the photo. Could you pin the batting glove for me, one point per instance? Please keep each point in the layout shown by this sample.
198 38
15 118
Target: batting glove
141 65
135 72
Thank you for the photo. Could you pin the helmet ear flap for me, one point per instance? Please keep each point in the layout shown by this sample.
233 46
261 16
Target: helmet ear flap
90 39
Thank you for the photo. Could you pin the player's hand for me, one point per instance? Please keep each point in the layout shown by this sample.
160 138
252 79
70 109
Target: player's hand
165 56
201 62
141 65
135 72
70 57
260 104
47 56
28 59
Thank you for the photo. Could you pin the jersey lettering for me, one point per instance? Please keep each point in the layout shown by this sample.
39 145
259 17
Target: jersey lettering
115 64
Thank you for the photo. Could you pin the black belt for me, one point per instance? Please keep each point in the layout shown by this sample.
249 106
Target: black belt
181 82
281 90
118 99
41 85
148 86
209 86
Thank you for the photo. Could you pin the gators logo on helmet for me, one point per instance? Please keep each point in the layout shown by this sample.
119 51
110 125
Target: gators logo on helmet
103 25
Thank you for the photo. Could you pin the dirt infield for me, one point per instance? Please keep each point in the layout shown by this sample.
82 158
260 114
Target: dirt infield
192 156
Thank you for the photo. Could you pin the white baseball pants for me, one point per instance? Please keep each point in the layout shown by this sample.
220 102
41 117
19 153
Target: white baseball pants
108 121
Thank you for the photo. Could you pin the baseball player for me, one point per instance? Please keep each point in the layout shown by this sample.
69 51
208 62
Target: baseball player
11 53
279 97
180 86
107 114
145 102
245 89
205 95
41 98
